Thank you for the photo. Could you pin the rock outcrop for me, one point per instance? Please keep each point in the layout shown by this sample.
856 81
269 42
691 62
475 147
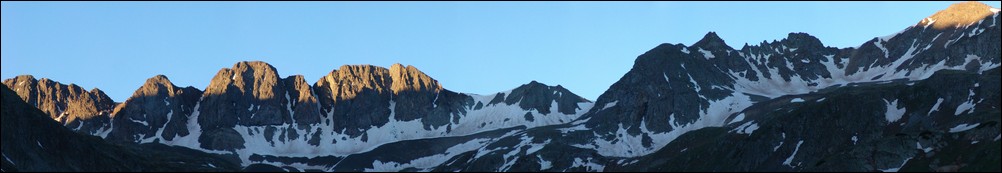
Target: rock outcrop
157 111
85 111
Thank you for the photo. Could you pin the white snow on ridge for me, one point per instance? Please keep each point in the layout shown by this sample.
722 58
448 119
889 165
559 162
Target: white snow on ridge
930 22
963 127
631 146
880 45
797 100
489 117
994 10
893 113
429 161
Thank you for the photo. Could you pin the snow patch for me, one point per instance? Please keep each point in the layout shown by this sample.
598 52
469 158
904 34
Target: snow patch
433 102
898 168
774 149
707 54
8 159
190 140
544 165
574 128
969 105
789 160
160 131
144 123
666 77
588 164
797 100
747 128
918 145
935 107
739 118
609 105
963 127
855 140
880 46
893 113
685 50
929 21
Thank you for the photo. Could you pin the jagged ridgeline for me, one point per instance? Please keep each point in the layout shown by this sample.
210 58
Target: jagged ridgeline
248 110
923 99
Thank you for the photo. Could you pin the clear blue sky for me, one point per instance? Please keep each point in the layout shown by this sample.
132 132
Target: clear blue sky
471 47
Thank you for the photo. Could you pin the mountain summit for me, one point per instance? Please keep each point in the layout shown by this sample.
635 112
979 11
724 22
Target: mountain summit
959 15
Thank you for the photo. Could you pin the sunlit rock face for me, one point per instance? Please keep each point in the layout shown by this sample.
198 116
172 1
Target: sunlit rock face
70 105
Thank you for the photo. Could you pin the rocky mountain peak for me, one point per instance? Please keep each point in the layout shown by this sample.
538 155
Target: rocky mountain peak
255 77
65 103
539 96
412 79
711 41
157 82
959 15
348 80
71 105
158 104
803 40
27 83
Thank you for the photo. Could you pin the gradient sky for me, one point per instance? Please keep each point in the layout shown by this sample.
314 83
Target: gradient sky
469 47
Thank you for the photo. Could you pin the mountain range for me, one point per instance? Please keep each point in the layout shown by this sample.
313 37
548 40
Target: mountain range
923 99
